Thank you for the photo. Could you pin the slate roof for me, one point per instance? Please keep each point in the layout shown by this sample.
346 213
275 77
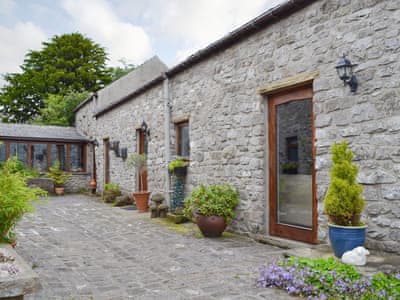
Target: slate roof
38 132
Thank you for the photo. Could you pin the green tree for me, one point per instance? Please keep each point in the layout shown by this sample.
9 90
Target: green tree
343 201
59 109
69 62
118 72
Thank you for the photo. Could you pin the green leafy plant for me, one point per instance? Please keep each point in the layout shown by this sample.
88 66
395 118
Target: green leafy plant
177 163
19 167
58 175
15 198
328 278
219 200
111 191
289 166
343 202
139 162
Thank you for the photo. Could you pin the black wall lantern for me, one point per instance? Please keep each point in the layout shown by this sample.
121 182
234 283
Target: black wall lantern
145 128
344 69
124 153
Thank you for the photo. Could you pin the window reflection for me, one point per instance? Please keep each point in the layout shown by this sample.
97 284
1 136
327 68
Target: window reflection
58 152
20 150
75 159
2 151
183 140
294 163
39 157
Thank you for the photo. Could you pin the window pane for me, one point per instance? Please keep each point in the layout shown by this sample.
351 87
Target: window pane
184 142
58 152
19 150
294 175
39 157
75 160
2 152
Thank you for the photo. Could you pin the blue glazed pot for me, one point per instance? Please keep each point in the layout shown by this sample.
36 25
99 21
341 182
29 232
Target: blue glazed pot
346 238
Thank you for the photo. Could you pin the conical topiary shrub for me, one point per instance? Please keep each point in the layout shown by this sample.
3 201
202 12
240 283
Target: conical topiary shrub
343 202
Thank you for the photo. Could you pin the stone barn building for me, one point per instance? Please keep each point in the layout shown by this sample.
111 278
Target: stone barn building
260 109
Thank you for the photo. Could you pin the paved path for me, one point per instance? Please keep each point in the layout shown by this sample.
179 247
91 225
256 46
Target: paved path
84 249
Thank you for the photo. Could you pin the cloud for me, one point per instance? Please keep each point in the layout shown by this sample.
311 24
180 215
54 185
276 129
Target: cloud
191 25
96 19
15 43
7 6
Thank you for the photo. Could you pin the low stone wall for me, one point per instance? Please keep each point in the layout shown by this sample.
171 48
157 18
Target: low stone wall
46 184
77 183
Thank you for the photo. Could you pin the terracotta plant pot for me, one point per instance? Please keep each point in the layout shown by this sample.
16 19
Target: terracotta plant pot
59 190
142 200
212 226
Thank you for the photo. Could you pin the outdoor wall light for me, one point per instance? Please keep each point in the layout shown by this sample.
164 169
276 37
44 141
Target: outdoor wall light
124 153
145 128
344 69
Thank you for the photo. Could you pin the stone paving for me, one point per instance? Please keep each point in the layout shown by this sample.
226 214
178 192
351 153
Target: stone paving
85 249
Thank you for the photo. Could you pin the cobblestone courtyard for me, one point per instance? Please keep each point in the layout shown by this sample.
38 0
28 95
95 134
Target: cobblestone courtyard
84 249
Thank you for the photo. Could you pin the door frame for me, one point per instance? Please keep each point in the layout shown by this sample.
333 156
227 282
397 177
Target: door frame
106 156
141 149
284 230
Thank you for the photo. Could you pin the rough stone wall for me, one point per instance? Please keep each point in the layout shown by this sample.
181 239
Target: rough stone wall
120 125
227 127
77 183
370 119
228 121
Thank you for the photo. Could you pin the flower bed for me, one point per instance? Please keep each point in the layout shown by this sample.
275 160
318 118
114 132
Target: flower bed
327 279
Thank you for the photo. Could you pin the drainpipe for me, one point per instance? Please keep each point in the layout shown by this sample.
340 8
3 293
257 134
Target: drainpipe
167 134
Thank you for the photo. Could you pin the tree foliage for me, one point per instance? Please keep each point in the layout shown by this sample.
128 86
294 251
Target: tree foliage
59 109
69 62
118 72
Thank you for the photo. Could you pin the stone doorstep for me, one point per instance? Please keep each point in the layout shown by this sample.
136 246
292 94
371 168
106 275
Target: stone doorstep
25 282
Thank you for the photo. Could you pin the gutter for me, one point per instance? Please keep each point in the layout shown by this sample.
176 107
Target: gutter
38 139
167 137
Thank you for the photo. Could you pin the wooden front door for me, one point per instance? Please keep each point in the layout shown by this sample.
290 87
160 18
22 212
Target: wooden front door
293 205
142 149
106 147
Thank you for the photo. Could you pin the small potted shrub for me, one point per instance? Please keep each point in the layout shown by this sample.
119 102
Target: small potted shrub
59 177
111 192
178 167
213 207
139 162
15 198
344 203
290 168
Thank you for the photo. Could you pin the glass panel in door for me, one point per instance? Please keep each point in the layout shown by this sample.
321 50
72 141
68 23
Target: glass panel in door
294 163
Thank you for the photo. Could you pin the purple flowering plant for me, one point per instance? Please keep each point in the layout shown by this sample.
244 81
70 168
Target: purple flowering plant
327 279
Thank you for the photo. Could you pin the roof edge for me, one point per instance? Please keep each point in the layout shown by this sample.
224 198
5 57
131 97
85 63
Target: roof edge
84 102
271 16
126 98
34 139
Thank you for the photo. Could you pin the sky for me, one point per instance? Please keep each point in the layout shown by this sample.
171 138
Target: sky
132 30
